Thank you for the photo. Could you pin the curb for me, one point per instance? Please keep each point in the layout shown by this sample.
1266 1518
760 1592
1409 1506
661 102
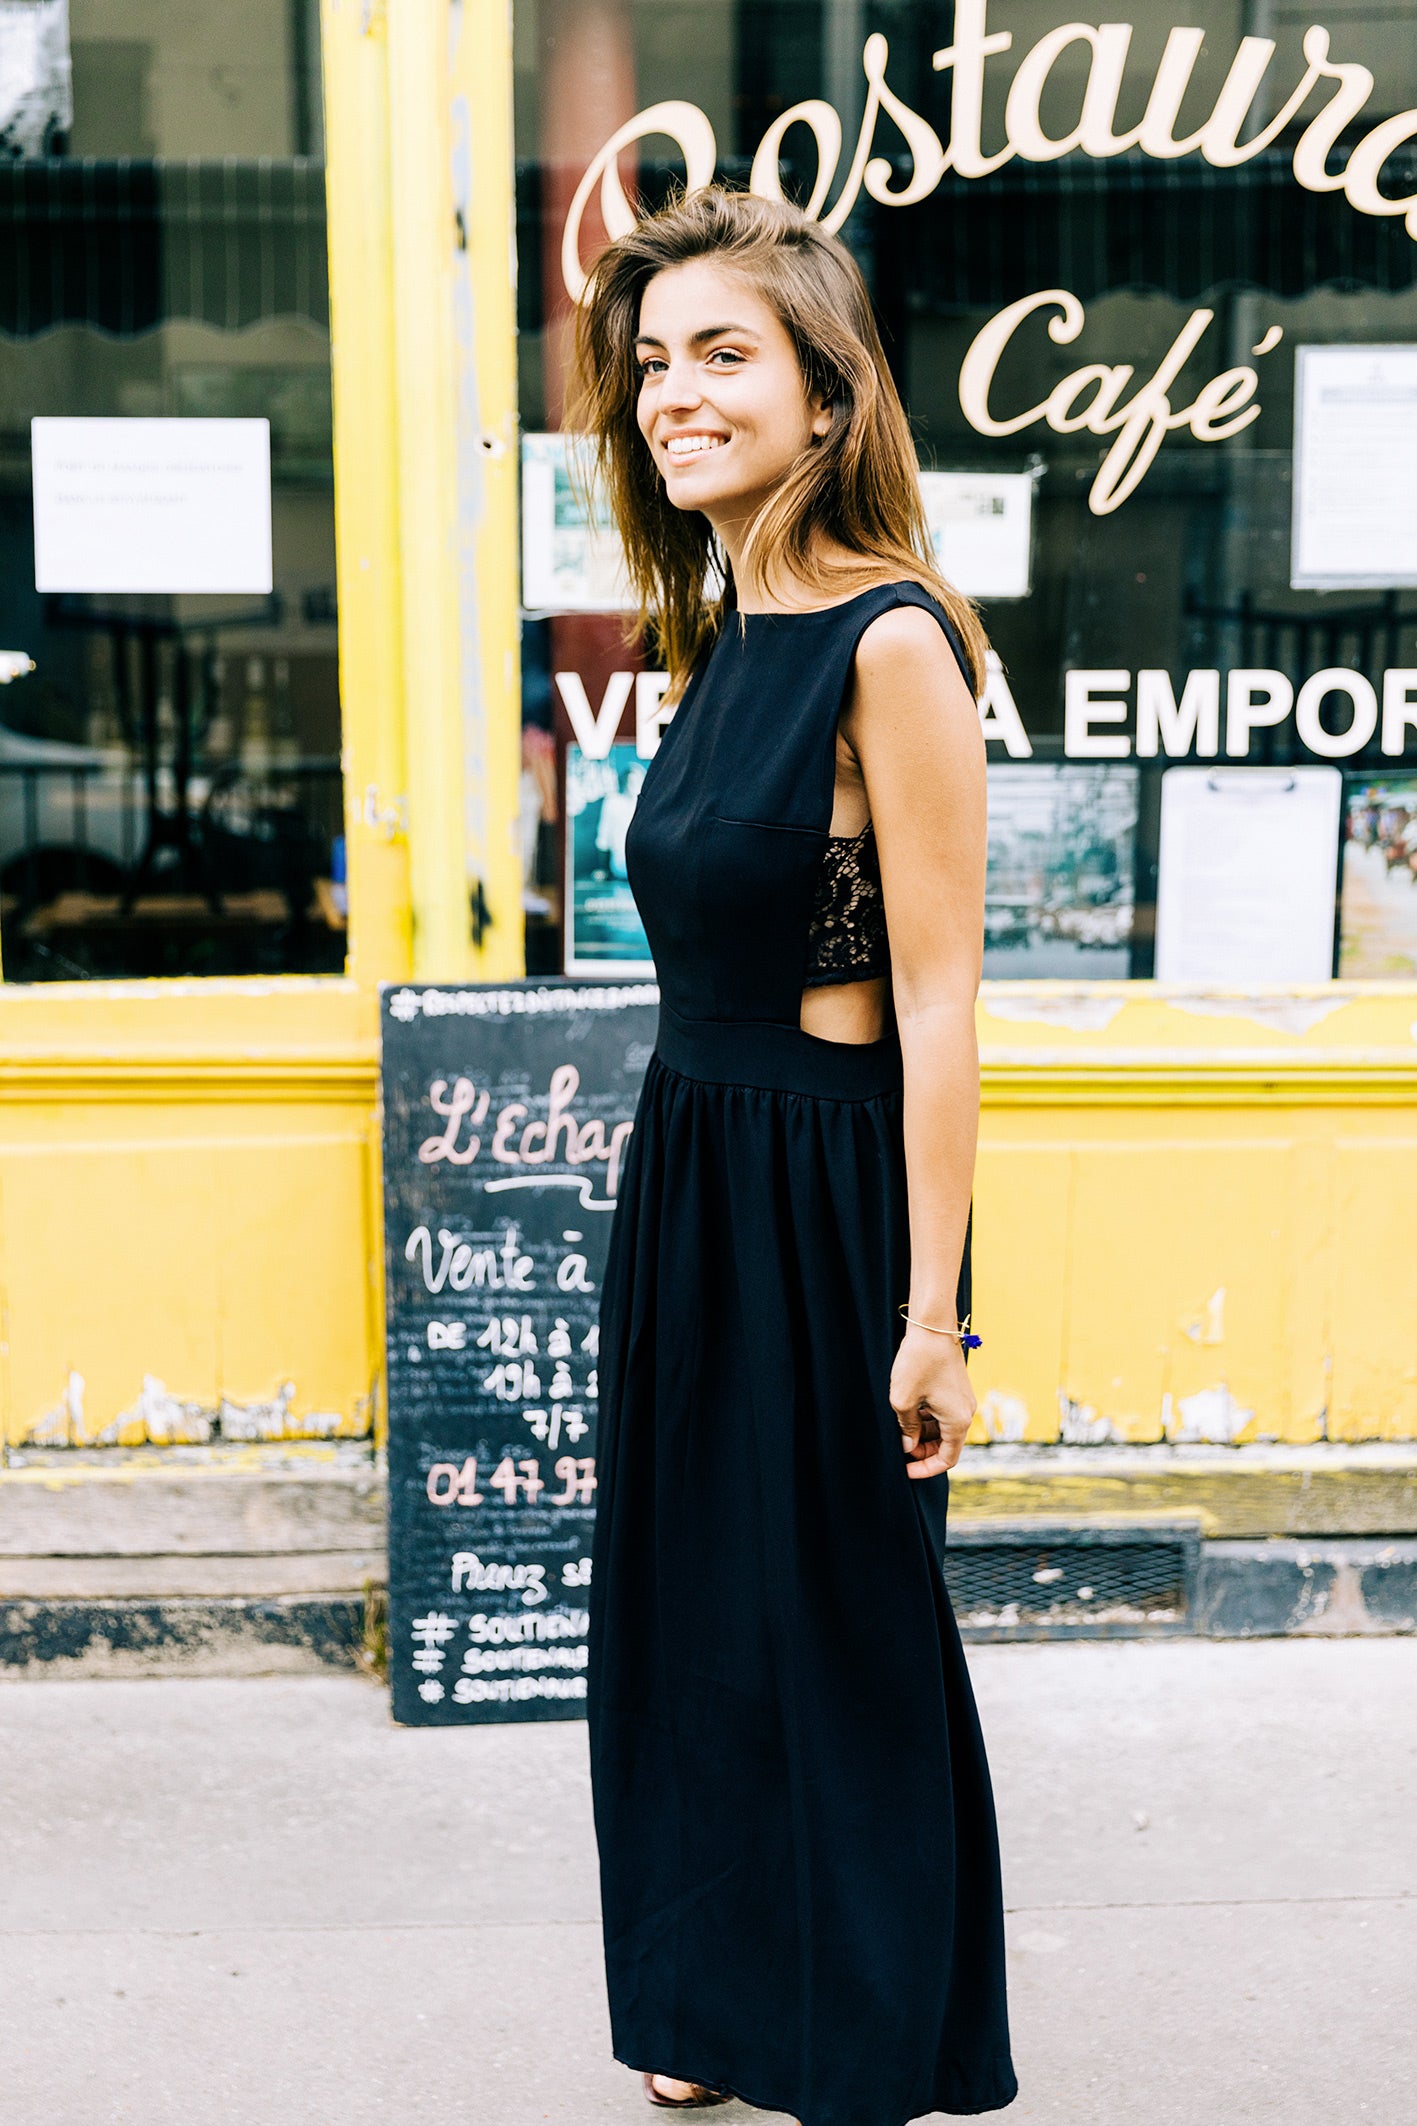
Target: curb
225 1636
1280 1588
1330 1589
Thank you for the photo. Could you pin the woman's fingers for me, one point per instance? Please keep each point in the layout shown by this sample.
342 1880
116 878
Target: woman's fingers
933 1443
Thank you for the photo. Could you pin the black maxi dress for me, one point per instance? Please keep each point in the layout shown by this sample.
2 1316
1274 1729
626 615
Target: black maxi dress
799 1864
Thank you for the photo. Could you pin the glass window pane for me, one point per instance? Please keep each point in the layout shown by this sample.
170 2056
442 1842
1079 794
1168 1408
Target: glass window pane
1123 656
170 796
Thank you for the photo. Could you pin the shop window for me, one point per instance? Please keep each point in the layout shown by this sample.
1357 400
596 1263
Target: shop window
170 793
1203 720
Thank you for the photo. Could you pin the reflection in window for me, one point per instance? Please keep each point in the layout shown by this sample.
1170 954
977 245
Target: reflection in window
170 794
1151 608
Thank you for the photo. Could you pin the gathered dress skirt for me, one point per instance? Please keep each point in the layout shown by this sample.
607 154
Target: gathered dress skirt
799 1864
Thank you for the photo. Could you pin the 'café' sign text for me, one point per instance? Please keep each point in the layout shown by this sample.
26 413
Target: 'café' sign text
1140 421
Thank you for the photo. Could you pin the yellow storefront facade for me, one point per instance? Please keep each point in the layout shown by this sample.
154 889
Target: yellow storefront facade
1194 1205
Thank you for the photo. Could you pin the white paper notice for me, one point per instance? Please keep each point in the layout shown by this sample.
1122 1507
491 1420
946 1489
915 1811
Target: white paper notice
1355 469
571 557
152 505
981 526
1248 873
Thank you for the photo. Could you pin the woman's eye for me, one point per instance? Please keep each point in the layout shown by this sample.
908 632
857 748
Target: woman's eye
651 366
729 355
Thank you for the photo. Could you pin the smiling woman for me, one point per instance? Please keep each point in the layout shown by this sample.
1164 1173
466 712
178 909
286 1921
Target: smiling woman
720 391
736 331
773 1656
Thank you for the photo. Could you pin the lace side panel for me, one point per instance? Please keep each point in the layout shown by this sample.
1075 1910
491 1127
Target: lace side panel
847 936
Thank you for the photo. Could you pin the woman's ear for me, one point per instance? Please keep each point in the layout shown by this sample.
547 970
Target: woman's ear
823 414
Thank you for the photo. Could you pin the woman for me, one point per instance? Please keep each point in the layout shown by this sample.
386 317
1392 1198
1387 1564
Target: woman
798 1858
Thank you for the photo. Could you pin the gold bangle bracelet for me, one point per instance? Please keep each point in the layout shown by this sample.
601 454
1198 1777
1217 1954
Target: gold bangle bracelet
963 1335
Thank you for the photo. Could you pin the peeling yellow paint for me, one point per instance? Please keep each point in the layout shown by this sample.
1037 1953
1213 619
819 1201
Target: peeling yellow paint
159 1419
185 1236
1168 1185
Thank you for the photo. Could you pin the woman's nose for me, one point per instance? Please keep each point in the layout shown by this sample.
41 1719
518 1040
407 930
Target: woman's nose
679 385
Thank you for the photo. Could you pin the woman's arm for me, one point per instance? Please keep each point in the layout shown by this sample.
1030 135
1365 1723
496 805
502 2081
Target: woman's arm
914 728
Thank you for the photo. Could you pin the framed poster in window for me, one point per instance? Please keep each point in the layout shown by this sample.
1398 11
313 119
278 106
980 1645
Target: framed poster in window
604 934
1378 900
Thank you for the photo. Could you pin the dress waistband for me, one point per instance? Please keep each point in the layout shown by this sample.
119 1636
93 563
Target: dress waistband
776 1058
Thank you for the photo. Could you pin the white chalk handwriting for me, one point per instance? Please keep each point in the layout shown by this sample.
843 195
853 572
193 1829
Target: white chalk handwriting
513 1381
433 1630
528 1145
511 1336
450 1484
461 1267
481 1661
495 1576
485 1630
474 1690
548 1425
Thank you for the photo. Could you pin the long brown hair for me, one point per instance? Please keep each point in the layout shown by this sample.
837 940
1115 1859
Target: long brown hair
857 486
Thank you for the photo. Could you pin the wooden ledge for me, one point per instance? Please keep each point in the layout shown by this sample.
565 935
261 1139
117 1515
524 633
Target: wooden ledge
1363 1489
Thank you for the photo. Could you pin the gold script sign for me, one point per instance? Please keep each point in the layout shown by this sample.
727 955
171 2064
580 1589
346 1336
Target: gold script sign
1224 405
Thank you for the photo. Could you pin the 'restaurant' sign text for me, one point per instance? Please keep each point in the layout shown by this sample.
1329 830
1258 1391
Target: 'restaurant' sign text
1102 398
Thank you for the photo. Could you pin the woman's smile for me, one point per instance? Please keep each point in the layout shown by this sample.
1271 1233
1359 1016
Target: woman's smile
691 443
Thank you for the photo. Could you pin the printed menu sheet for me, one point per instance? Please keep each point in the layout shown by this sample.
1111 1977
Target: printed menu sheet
1247 874
137 505
1355 469
981 527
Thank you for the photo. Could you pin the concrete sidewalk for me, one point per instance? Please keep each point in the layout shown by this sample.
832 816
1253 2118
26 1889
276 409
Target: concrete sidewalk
257 1903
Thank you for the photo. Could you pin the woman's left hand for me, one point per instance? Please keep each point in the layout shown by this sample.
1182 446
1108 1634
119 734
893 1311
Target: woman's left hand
933 1401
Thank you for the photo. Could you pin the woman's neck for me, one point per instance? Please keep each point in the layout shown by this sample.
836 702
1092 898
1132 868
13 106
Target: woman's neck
834 572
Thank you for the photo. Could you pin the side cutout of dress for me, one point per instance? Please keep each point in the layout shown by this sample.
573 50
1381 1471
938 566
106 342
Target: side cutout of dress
846 993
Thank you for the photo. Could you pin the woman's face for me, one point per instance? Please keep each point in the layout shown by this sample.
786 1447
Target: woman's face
723 405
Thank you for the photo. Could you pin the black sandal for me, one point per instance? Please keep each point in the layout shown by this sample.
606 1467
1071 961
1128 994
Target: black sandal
704 2098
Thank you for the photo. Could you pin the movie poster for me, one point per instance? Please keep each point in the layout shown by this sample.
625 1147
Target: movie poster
1060 892
571 556
1378 910
604 934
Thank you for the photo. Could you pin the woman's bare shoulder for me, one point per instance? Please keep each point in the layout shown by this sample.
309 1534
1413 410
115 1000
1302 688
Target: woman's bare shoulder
903 632
905 662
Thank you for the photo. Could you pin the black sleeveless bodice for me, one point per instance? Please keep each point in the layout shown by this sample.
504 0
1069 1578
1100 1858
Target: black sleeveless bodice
737 877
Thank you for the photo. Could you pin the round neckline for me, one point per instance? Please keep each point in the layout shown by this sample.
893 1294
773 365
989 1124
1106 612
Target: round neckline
818 612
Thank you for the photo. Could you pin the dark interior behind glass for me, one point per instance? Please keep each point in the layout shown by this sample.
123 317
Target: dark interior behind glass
170 796
1192 571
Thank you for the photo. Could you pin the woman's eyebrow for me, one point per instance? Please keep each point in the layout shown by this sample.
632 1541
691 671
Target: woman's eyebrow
701 337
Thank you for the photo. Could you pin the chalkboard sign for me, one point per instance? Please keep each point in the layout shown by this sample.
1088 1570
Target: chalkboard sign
507 1116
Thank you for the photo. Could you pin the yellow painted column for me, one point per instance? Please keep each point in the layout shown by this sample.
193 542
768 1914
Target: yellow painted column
485 360
450 165
361 253
424 241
